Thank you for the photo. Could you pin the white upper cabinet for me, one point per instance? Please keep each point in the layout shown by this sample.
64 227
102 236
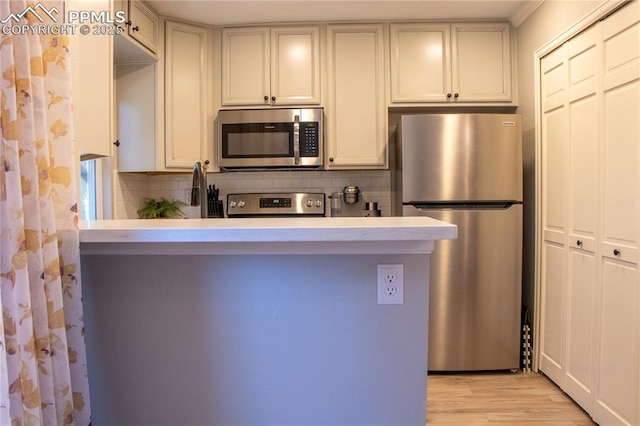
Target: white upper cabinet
141 25
144 25
186 88
246 65
420 62
451 63
271 66
135 117
481 62
92 73
356 110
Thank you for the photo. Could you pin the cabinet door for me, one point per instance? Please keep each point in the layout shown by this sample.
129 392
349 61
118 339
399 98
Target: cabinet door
552 322
144 25
295 65
618 393
136 117
356 113
185 95
553 209
621 132
481 62
246 66
579 365
554 142
420 62
619 353
92 70
583 55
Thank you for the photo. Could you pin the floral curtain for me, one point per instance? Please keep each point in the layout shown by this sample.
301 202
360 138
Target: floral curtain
43 377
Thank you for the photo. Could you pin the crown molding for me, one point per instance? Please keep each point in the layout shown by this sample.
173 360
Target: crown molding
524 11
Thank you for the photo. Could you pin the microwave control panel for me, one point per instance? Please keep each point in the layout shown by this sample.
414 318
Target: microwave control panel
309 140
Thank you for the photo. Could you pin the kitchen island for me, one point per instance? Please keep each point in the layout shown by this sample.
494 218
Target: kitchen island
256 321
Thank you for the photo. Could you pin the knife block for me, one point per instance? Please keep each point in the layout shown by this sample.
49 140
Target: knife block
215 209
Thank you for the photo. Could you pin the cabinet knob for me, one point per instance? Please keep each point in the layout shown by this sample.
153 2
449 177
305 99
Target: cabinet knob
616 252
449 95
128 23
117 143
331 159
273 99
579 243
456 95
266 98
136 28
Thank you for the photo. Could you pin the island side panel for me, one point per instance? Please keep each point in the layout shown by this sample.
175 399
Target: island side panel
232 339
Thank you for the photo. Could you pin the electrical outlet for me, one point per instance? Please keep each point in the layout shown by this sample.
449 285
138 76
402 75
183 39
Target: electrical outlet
391 284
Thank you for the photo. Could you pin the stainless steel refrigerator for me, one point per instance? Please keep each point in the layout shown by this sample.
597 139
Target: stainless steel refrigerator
466 169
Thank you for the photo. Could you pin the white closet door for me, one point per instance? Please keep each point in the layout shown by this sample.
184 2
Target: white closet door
554 195
584 52
619 349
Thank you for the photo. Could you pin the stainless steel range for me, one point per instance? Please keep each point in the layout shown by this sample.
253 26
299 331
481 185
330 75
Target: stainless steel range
280 204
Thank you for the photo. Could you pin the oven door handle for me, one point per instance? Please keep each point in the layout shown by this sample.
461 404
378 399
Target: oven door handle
296 139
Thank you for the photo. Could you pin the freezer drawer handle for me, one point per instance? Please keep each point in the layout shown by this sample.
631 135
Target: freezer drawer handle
462 206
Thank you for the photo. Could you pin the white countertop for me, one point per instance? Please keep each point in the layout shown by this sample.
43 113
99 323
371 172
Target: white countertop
330 235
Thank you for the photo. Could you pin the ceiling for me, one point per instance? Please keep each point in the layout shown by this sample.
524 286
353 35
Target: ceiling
230 12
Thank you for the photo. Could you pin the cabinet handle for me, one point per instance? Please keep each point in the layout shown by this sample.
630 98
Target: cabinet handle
128 23
616 252
273 99
449 95
266 98
579 243
331 160
136 28
117 143
456 95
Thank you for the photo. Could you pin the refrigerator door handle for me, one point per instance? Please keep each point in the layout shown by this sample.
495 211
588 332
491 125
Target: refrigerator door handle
501 205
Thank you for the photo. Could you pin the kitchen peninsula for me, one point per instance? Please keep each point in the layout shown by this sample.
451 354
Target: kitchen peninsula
256 321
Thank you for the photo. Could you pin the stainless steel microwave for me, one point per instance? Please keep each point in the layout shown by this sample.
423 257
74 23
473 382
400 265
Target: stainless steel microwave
277 138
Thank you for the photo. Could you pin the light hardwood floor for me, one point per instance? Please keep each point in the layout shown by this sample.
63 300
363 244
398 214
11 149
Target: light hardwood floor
505 398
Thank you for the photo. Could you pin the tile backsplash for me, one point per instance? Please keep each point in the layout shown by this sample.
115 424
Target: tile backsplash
132 189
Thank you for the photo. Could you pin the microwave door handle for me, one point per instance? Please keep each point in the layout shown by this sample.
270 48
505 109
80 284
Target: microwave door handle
296 139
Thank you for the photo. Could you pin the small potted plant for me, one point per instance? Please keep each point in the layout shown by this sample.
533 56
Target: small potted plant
163 208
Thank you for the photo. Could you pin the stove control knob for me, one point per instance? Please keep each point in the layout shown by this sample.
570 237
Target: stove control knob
233 204
309 203
318 203
241 204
